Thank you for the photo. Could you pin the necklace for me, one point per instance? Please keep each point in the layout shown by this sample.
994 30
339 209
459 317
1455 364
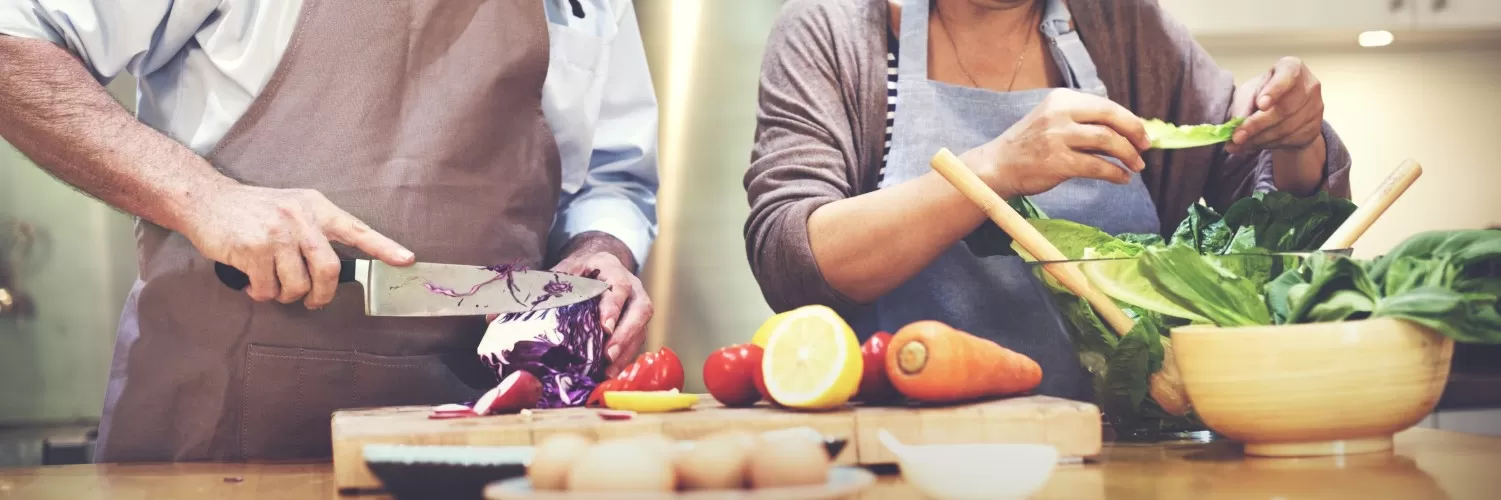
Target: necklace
1015 70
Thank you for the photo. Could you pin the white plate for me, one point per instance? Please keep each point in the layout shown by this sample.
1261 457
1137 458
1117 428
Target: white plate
844 482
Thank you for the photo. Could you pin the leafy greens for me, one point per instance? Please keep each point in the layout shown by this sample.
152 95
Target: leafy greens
1449 281
1212 269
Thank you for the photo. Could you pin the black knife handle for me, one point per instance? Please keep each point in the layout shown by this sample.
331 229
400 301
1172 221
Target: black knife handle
237 280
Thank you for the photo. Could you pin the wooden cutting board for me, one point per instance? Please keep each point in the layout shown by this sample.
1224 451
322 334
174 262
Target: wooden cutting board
1073 427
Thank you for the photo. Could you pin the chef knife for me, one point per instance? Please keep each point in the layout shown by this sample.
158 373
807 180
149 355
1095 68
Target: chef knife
426 289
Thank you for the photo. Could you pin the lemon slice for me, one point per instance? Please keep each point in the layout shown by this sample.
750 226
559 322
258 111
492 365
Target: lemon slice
649 401
812 360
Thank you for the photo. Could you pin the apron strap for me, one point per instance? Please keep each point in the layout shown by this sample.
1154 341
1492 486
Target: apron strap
1078 67
912 62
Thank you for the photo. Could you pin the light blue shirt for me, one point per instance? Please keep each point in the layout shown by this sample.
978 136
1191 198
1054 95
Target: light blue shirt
200 63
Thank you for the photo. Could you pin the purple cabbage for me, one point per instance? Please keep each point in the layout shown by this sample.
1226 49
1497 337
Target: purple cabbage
563 347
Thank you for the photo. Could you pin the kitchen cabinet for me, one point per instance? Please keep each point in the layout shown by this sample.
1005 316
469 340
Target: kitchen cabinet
1243 17
1457 14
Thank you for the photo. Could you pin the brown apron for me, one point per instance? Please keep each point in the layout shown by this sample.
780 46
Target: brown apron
421 117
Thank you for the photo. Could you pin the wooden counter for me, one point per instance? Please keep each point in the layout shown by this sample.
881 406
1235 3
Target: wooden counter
1426 464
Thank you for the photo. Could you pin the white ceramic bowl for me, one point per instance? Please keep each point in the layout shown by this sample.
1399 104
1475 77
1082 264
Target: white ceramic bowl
975 471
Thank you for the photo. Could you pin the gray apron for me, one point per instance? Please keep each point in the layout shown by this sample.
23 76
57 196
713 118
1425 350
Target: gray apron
995 297
421 117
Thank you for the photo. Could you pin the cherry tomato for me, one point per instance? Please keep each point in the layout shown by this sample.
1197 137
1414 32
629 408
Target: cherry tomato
730 374
875 386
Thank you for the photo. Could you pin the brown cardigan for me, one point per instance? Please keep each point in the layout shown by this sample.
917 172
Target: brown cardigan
821 124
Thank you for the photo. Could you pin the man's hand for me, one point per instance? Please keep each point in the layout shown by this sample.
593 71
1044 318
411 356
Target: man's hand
1284 109
624 309
280 239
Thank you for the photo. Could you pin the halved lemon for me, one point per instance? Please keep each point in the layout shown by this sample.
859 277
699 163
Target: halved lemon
812 360
649 401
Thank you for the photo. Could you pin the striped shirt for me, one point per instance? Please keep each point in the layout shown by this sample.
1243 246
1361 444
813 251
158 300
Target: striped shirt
891 67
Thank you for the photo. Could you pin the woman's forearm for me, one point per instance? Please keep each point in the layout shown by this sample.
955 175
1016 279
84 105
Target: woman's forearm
867 245
1300 172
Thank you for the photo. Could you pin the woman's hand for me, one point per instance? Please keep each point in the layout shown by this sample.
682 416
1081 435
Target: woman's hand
1059 140
1284 109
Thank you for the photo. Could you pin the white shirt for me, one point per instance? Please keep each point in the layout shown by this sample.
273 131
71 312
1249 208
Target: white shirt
200 63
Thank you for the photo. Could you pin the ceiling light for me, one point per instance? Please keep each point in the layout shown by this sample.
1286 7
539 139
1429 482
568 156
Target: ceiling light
1375 38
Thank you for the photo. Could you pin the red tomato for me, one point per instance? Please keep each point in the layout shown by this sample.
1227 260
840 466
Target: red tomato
730 374
654 371
672 369
875 386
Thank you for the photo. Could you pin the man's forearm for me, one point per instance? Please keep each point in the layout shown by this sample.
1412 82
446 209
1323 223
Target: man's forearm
53 111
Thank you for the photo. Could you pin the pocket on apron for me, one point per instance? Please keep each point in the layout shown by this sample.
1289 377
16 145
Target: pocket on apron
288 394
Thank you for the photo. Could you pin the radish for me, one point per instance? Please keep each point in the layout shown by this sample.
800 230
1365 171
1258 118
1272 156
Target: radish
520 390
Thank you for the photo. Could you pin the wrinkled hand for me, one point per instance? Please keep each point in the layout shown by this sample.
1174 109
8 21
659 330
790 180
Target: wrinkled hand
1284 109
280 239
624 309
1059 140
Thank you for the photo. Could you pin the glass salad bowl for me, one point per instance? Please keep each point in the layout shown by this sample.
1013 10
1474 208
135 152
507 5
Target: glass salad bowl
1132 372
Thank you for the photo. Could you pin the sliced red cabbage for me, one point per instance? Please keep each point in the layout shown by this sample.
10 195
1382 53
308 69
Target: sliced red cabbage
563 347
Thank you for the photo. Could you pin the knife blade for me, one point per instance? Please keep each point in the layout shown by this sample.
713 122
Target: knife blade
428 289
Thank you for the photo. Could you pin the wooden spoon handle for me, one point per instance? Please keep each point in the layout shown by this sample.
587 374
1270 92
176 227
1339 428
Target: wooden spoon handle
1375 205
965 180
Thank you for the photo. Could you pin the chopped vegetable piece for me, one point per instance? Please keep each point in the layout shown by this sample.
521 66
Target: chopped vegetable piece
649 401
520 390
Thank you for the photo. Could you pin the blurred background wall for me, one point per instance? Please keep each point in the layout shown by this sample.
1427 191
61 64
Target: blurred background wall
1431 95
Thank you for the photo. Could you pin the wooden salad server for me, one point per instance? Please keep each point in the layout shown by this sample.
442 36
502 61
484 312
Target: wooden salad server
1374 206
1166 385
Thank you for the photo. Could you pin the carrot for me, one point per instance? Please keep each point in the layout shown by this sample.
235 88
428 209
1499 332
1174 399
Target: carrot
933 362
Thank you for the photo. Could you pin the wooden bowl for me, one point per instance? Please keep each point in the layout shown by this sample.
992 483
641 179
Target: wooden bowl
1315 389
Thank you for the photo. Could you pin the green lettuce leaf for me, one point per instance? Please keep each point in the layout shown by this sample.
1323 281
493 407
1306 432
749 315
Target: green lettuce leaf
1203 285
1168 136
1070 237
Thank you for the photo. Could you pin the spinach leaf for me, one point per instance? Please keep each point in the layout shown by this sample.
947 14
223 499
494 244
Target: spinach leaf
1129 369
1449 281
1280 295
1203 230
1243 241
1465 317
1335 278
1287 223
1202 285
